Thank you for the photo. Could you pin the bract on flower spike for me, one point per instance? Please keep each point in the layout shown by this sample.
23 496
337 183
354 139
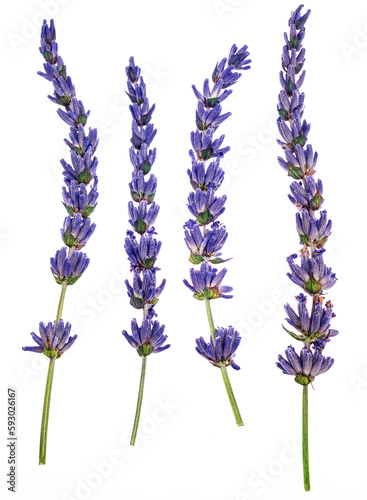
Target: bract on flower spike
141 246
79 198
205 236
312 326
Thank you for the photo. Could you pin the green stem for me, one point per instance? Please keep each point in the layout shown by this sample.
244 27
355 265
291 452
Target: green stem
140 399
223 368
50 374
61 302
232 399
210 319
46 412
306 465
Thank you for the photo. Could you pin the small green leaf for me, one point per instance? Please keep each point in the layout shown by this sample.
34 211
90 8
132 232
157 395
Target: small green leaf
62 71
149 263
313 287
295 173
316 201
48 56
137 302
79 150
145 350
294 335
145 167
87 211
212 101
219 260
294 43
50 353
300 139
283 114
82 119
206 154
69 239
305 239
135 196
199 296
321 242
290 86
140 226
196 258
85 176
205 217
302 379
65 100
73 279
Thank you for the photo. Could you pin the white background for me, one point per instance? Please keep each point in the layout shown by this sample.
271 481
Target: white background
189 446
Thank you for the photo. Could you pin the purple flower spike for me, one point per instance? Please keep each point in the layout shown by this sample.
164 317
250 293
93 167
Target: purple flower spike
142 217
77 231
141 247
222 351
313 276
80 191
79 199
312 327
205 206
68 268
307 195
206 283
143 254
141 189
313 231
205 248
205 178
53 341
306 366
205 236
309 325
148 338
144 293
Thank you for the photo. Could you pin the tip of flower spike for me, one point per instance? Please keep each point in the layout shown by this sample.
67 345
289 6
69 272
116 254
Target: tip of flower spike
132 71
299 20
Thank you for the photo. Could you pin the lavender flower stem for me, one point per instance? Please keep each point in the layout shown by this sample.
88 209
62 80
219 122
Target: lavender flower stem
223 369
232 399
46 412
210 319
50 374
306 465
61 302
140 400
